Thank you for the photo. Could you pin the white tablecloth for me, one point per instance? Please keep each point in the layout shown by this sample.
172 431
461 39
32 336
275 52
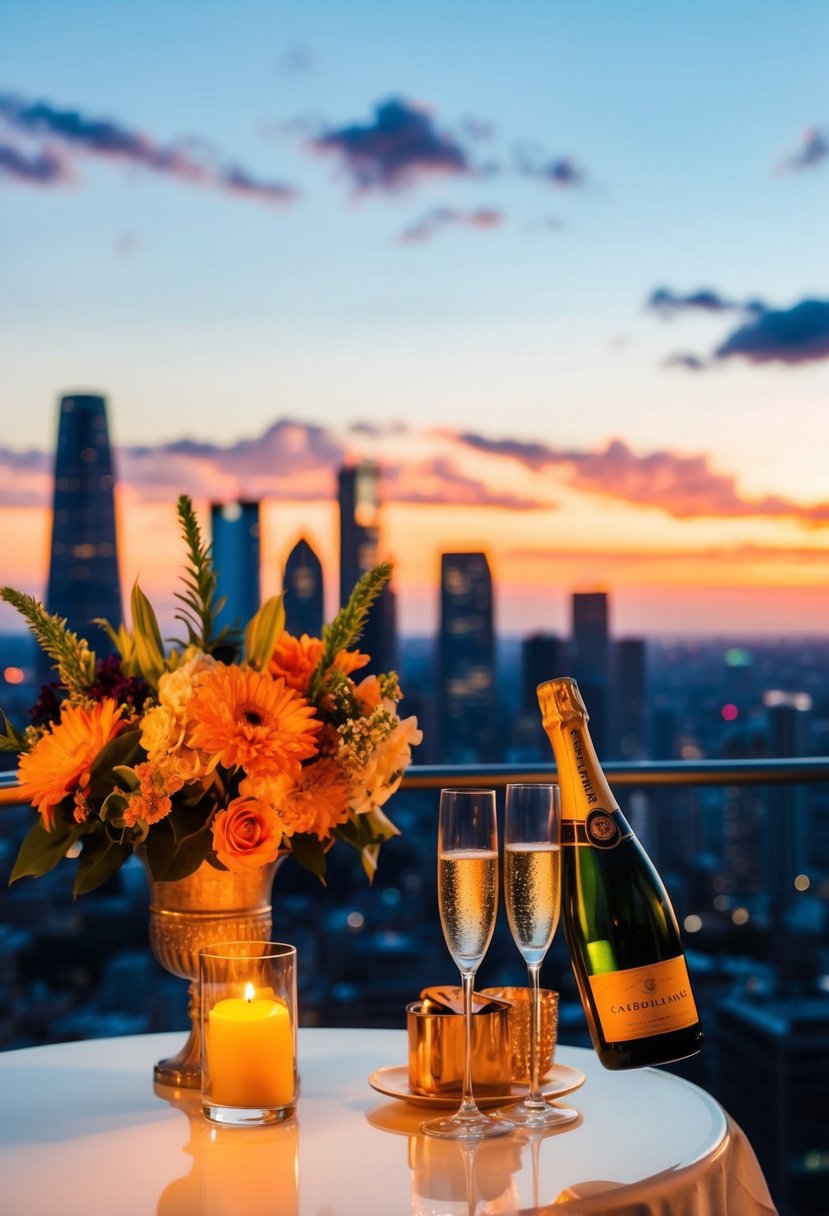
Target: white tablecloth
83 1133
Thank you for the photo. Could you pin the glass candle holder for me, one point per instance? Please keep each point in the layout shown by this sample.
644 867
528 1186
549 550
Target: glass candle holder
248 1004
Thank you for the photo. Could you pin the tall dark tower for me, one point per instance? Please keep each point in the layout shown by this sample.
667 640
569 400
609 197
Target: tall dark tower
628 700
303 588
590 657
83 562
234 529
359 502
466 682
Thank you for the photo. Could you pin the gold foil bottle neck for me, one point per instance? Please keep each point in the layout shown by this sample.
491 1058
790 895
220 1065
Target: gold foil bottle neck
560 701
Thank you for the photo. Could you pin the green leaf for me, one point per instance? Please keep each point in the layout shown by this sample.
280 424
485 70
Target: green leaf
178 845
41 850
308 851
347 625
149 650
74 661
120 751
263 631
188 855
12 740
366 833
100 858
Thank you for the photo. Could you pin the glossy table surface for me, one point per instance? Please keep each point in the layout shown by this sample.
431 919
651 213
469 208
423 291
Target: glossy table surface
82 1131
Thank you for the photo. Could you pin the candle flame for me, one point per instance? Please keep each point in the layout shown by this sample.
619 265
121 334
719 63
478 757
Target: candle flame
250 992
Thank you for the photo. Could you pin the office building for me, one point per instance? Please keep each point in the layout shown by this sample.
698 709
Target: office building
466 663
590 661
235 546
83 559
773 1077
628 700
302 585
358 497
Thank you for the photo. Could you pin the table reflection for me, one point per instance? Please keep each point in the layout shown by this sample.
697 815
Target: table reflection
449 1178
254 1170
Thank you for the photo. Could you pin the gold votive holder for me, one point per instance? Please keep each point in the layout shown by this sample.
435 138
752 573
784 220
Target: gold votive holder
519 1017
437 1048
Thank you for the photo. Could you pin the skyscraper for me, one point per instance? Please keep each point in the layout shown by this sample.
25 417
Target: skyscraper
83 562
789 830
628 700
359 502
466 681
590 657
303 588
234 531
541 659
773 1077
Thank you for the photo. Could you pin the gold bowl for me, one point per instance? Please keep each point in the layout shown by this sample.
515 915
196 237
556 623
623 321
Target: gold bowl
519 1017
437 1046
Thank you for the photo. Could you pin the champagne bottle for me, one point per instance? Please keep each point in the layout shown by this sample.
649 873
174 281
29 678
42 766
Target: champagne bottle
621 929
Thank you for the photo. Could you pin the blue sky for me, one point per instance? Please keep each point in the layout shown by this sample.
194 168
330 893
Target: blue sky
604 151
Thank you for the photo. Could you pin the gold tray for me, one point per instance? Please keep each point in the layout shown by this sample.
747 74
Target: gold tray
393 1081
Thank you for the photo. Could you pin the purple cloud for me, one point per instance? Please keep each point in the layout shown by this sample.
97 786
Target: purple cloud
562 172
186 161
790 335
669 303
484 218
399 147
691 362
813 150
38 169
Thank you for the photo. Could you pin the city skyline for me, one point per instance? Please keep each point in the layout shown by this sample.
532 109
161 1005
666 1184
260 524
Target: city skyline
557 272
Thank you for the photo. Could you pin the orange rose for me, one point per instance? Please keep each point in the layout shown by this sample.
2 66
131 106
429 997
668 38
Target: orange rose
247 835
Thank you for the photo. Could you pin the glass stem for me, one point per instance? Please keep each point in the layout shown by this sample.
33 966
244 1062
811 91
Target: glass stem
534 1097
468 1106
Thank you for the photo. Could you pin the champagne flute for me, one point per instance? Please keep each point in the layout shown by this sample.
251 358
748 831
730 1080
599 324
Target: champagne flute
532 889
468 901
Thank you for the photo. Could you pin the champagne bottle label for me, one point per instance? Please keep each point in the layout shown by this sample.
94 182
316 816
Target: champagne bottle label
642 1001
601 829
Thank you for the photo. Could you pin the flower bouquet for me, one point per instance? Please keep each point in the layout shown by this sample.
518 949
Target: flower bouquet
227 747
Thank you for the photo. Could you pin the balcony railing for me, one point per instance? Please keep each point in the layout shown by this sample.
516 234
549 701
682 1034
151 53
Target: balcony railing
809 770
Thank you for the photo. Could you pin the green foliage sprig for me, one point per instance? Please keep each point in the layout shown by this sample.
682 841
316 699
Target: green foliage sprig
73 660
199 597
346 628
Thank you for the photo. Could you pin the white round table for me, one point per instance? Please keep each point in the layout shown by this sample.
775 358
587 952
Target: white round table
82 1133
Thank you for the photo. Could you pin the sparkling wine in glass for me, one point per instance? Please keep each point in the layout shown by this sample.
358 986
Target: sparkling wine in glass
532 889
468 902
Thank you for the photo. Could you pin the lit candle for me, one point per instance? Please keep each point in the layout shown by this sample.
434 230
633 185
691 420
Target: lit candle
250 1052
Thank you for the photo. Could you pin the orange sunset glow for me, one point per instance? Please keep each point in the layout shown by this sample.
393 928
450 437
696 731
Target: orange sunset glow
677 543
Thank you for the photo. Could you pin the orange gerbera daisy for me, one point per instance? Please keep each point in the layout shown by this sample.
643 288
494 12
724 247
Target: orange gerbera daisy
318 802
245 719
60 763
294 659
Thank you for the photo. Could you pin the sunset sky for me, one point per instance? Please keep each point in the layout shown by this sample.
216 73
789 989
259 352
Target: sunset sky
560 268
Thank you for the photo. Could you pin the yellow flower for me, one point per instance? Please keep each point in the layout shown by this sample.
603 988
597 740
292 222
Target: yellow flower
160 732
245 719
162 737
175 688
247 835
60 762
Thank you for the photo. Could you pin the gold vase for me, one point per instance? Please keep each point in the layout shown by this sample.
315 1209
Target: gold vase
208 907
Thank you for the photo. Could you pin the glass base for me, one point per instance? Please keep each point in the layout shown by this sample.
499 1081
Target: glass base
473 1126
247 1116
543 1117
